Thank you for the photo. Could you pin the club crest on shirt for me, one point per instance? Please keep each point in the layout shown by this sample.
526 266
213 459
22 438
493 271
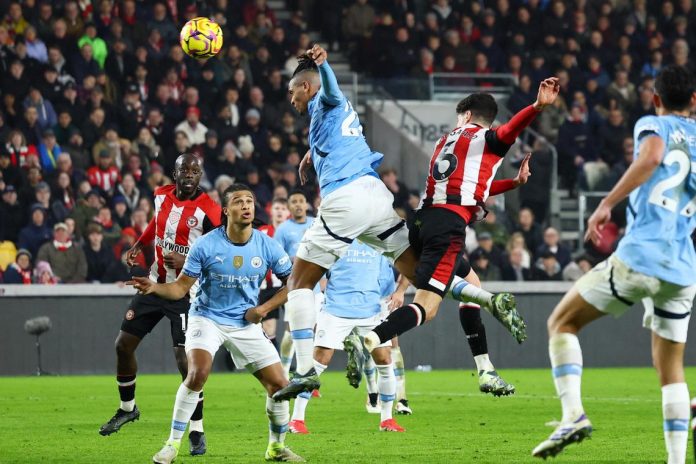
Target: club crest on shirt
238 261
192 222
256 262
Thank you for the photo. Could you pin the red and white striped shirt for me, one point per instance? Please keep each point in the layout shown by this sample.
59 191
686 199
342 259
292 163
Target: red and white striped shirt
464 164
176 225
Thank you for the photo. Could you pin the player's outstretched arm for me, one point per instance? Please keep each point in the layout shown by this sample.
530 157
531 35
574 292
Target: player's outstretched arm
171 291
523 175
255 314
649 158
548 91
147 236
330 93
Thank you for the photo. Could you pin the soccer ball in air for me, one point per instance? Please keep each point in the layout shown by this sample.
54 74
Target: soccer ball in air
201 38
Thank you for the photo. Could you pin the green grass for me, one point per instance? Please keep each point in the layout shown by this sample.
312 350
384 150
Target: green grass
55 420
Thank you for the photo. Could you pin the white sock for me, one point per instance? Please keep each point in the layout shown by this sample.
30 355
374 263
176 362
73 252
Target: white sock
301 319
278 417
675 412
185 404
371 341
128 406
566 364
399 373
463 291
196 426
302 400
371 376
387 389
483 363
287 350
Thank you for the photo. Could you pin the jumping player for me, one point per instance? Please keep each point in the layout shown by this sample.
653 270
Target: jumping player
461 172
183 213
655 260
230 263
355 205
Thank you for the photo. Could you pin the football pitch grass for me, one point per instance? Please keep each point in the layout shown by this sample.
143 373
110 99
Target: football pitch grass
56 419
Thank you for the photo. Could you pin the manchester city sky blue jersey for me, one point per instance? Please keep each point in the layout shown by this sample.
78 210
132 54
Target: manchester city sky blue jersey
660 213
357 283
230 274
290 233
340 153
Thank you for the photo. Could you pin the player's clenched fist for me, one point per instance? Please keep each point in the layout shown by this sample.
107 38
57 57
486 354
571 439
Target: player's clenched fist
318 54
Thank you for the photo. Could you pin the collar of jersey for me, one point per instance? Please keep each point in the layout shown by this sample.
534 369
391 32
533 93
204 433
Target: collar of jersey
224 234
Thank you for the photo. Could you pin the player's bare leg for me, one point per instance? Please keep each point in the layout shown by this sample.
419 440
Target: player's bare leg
402 406
273 379
301 317
470 319
322 357
570 315
197 441
668 358
200 363
126 370
501 305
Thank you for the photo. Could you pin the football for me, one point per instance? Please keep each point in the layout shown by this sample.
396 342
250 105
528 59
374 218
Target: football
201 38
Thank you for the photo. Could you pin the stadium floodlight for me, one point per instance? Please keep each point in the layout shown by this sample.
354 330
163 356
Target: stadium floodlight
38 326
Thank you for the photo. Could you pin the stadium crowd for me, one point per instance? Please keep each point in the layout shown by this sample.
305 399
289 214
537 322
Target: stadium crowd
98 100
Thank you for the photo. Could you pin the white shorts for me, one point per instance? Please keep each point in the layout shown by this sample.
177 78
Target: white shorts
359 210
612 287
332 330
248 346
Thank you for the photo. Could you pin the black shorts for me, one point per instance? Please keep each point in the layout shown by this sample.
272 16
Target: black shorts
265 295
437 236
145 311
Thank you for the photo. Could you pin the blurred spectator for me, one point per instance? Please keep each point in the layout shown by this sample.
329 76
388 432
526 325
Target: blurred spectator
98 255
12 214
482 265
491 226
105 175
552 243
67 261
110 229
495 254
577 268
575 146
43 274
547 268
529 228
36 233
514 270
19 272
192 127
49 151
86 209
99 48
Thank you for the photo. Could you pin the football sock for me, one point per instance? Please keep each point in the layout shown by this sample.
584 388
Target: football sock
185 404
126 390
370 375
675 412
399 373
401 320
470 318
287 350
300 406
566 364
301 318
278 417
465 292
387 389
196 424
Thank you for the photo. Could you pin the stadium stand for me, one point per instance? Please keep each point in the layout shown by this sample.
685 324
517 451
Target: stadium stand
98 100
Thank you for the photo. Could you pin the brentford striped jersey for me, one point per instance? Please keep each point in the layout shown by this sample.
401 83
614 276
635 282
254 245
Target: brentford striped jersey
462 169
176 225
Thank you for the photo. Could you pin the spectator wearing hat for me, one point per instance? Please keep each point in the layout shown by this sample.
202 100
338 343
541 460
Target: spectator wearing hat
34 235
49 150
195 130
547 267
12 214
483 266
120 212
98 255
104 176
495 253
19 272
99 48
43 274
87 208
67 261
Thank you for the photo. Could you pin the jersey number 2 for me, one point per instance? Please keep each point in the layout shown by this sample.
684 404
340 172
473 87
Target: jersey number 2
657 195
352 117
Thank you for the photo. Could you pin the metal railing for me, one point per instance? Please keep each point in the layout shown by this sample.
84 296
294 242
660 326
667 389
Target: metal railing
347 81
582 213
409 122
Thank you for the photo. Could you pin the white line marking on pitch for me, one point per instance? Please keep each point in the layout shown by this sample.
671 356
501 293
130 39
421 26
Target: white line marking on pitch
543 397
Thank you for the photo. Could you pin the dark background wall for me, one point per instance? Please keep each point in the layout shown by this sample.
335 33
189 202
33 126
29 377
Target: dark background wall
84 329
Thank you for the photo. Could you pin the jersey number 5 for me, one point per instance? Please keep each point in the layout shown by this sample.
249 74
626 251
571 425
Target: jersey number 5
346 129
658 194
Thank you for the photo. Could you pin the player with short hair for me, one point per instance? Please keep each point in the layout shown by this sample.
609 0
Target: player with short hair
230 264
353 305
655 260
355 205
459 181
183 213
